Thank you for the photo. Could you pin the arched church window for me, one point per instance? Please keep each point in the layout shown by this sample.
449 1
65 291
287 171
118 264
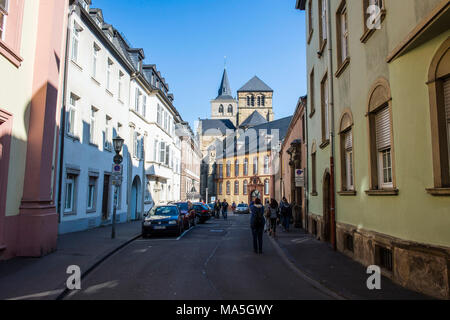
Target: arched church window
259 101
263 101
253 101
230 109
221 109
248 101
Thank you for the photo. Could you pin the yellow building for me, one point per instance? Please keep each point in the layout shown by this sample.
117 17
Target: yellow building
379 106
247 162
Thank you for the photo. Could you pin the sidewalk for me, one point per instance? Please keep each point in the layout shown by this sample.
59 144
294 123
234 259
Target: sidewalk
334 270
45 278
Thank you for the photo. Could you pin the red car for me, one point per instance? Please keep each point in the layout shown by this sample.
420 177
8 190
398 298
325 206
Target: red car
190 218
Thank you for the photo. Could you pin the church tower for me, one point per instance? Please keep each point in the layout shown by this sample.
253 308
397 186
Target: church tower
255 102
225 107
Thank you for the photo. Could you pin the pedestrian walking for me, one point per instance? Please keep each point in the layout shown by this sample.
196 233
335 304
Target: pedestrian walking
217 209
233 207
286 214
225 209
274 217
257 222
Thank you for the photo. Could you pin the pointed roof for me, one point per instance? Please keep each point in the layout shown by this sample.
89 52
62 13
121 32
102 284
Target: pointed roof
254 119
255 84
225 89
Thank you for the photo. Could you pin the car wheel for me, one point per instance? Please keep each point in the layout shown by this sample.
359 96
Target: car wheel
197 220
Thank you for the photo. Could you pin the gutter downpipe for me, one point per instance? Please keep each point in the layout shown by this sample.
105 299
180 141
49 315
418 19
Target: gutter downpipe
306 116
332 127
63 117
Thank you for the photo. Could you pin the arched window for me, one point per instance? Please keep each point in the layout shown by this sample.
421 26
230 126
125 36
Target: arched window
255 165
245 189
228 169
439 93
220 188
230 109
236 168
236 187
266 165
220 173
263 101
245 167
228 188
259 101
347 163
253 101
221 109
249 101
266 187
382 173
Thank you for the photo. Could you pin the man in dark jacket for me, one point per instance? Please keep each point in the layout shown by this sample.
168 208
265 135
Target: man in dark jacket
257 223
286 214
225 209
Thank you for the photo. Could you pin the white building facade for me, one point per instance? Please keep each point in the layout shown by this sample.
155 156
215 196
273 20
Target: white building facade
95 104
109 92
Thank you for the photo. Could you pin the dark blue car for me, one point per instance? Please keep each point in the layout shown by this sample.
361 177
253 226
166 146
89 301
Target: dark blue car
163 220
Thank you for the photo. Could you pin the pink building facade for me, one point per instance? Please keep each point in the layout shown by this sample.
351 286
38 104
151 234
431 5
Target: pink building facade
32 55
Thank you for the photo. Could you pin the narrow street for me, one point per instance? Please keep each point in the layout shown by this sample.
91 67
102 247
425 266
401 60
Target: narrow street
213 261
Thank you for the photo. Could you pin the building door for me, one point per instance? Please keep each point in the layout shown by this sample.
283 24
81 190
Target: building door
326 207
134 201
105 200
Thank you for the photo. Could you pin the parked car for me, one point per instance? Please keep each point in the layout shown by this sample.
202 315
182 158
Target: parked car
202 211
189 216
211 207
163 219
242 209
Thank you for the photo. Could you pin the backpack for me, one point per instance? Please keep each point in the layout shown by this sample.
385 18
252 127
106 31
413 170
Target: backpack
259 217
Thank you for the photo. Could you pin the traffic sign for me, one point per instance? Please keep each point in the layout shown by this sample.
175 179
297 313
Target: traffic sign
300 178
117 170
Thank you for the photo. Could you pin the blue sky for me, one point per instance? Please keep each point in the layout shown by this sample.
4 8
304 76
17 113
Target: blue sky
188 40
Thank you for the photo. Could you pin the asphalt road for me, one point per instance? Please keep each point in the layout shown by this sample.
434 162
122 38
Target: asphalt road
212 261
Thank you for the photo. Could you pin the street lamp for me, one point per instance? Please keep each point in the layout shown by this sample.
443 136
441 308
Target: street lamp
118 159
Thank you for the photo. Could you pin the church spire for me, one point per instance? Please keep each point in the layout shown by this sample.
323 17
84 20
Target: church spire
225 90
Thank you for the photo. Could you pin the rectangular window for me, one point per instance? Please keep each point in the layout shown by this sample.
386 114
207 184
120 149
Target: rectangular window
108 134
342 33
325 110
348 140
144 106
92 187
246 167
220 188
310 18
167 161
69 204
322 23
155 151
96 49
137 98
71 115
109 65
383 144
121 88
158 115
93 129
75 41
162 152
228 169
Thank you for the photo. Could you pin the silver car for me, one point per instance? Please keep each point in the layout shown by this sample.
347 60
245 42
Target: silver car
242 209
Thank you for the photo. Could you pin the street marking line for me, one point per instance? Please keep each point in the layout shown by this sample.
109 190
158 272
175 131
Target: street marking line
185 233
38 295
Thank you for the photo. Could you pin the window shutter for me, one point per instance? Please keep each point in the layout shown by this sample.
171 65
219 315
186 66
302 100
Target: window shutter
348 140
383 128
447 99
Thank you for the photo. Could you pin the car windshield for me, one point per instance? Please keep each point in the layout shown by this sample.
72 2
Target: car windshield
182 206
200 207
242 206
164 211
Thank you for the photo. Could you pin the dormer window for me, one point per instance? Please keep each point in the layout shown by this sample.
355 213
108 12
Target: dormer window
98 21
85 5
